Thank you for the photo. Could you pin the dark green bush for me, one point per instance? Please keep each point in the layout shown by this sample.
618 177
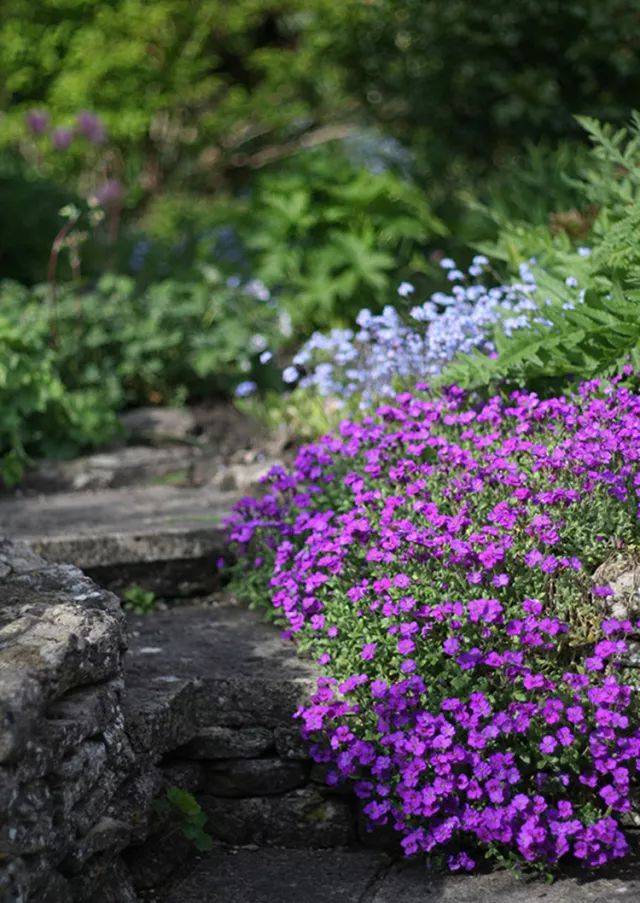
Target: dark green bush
190 93
466 81
71 360
332 237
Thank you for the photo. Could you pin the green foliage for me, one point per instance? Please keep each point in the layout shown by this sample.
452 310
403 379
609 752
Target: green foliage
592 339
182 805
304 413
139 600
332 237
171 341
38 414
71 359
462 82
189 92
591 329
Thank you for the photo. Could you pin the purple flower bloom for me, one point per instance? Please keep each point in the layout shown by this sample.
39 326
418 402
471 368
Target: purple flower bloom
368 651
91 127
37 121
393 530
62 138
110 193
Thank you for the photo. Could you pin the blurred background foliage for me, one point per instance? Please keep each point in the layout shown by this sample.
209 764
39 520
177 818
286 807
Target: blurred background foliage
267 167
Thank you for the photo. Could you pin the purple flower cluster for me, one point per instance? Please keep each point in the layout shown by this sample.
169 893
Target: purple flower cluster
87 125
436 559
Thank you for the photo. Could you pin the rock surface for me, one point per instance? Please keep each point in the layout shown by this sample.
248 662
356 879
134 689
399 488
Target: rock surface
228 742
278 876
64 750
91 737
351 876
302 818
122 536
131 465
254 777
155 425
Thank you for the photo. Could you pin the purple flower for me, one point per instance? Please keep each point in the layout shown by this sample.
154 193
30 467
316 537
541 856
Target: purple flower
91 127
62 138
110 193
37 121
368 651
385 530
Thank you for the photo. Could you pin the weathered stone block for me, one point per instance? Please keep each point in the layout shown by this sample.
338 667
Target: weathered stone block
108 834
289 743
183 773
157 425
161 716
229 743
254 777
104 879
302 818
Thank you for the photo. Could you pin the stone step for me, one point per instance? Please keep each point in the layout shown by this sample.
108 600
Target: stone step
352 876
193 668
165 538
216 688
135 465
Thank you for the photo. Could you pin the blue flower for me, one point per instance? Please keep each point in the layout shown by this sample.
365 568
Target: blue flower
290 374
248 387
405 289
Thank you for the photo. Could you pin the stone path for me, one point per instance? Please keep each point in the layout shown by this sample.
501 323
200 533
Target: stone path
148 513
349 876
158 536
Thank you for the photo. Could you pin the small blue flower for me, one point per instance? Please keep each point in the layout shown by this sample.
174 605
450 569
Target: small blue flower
405 289
290 374
248 387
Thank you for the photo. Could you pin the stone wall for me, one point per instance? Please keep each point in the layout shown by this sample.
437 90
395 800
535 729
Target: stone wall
89 738
63 744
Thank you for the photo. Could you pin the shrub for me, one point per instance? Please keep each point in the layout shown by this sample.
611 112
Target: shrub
330 235
172 341
586 322
187 94
437 560
38 415
462 83
73 359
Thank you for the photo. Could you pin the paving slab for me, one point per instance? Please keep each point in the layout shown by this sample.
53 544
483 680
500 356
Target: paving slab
239 670
230 875
125 536
413 883
137 465
278 876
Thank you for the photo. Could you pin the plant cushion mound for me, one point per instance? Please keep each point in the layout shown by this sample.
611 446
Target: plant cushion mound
435 557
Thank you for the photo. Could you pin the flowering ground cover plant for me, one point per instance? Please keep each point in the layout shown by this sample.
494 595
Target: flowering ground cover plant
437 559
